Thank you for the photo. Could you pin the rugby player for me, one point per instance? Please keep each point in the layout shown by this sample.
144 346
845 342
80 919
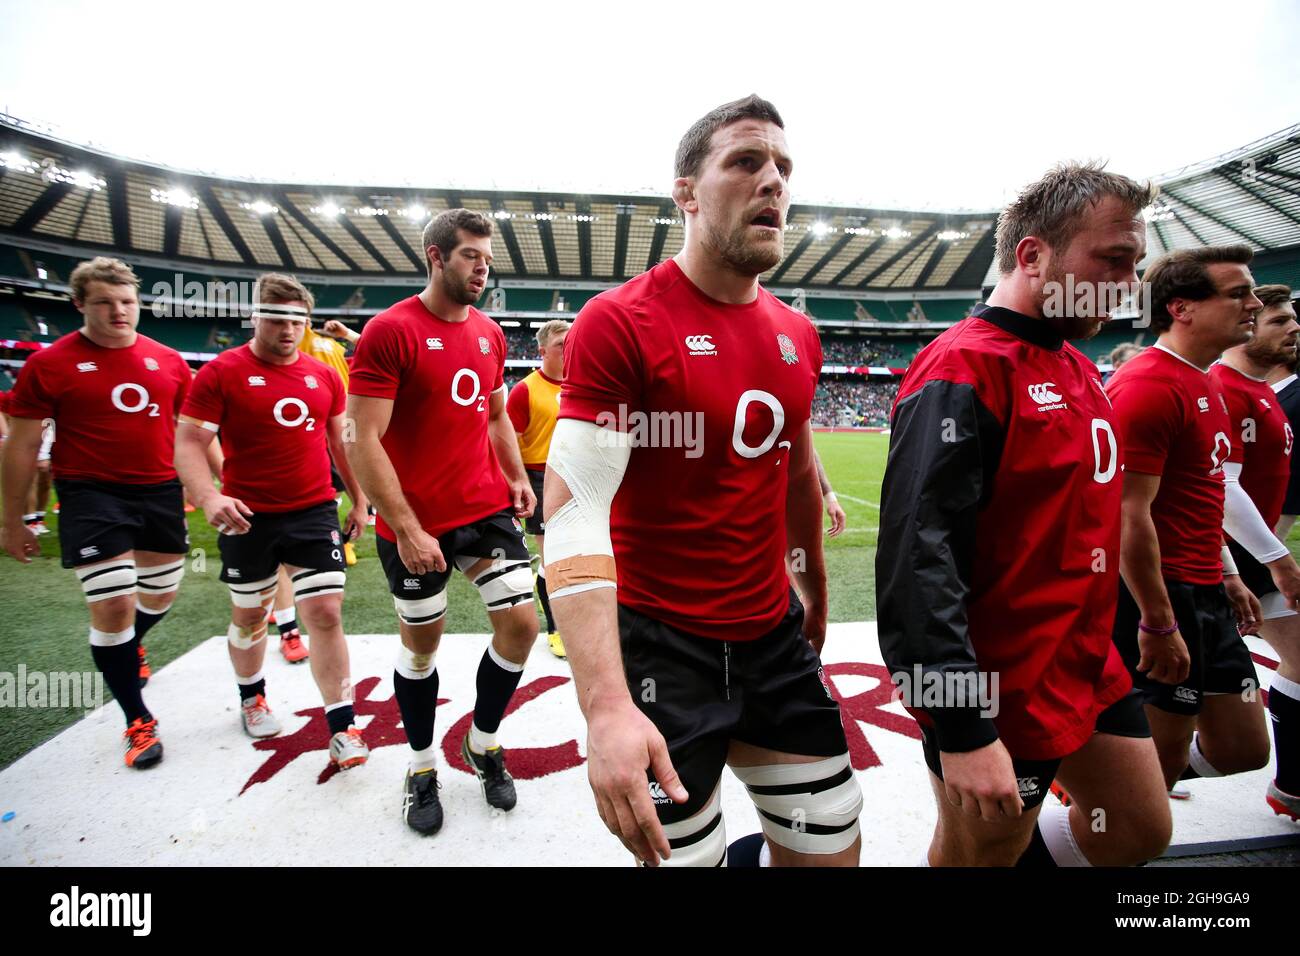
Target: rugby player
997 562
113 395
666 565
532 406
279 411
1256 476
436 453
1178 616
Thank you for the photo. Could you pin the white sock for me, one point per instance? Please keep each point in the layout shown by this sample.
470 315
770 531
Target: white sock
1197 759
1054 824
285 614
245 681
480 742
424 759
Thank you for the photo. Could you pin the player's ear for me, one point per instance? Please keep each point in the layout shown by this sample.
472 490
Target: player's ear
684 195
435 256
1030 256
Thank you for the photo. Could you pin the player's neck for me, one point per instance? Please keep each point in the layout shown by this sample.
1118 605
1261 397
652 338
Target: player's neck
1186 347
554 374
708 274
1238 358
442 307
1015 296
1278 373
109 342
263 354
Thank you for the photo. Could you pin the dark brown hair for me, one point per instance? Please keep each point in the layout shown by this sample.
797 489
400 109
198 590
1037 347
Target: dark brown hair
693 150
442 231
1273 294
1183 274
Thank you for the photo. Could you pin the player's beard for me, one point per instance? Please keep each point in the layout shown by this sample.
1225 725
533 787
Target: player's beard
740 254
1068 326
1262 354
457 289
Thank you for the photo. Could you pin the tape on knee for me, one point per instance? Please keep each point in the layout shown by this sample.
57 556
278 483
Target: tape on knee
699 840
505 583
310 584
414 666
422 610
103 581
163 579
242 638
250 594
806 807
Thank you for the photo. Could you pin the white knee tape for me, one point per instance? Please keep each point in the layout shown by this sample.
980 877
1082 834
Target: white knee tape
242 638
806 807
163 579
103 581
110 639
310 584
414 666
422 611
248 594
504 584
699 840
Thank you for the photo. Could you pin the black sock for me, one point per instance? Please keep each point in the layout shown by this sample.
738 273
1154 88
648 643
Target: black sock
546 604
121 669
418 702
495 685
145 620
1285 711
249 691
1037 854
340 719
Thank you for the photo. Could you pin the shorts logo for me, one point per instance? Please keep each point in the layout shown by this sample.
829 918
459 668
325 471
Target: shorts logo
233 573
434 344
334 537
700 345
150 364
788 354
89 552
483 345
1185 695
1028 786
518 527
87 367
256 380
826 684
411 584
311 381
657 794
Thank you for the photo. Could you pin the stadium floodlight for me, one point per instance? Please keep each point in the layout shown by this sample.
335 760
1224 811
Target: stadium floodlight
1158 212
542 216
535 325
665 221
370 211
509 323
952 235
821 229
260 206
896 232
583 217
174 197
859 231
416 211
503 214
327 209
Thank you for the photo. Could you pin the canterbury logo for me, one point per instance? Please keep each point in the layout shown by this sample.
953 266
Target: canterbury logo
700 345
435 344
411 584
1042 393
1185 694
1028 786
87 367
256 380
657 793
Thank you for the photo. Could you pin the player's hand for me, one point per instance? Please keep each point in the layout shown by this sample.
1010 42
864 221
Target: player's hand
622 744
20 542
354 526
335 330
1286 575
814 625
1164 659
522 494
419 552
838 518
1244 604
982 783
227 514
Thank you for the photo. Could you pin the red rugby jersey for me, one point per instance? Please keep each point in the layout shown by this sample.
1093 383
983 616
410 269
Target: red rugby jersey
439 376
1261 438
998 549
698 533
273 421
1173 422
115 409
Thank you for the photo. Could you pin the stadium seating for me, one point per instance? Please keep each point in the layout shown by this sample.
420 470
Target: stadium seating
11 264
13 320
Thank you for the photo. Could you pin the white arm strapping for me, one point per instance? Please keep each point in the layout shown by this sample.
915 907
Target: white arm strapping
1242 520
591 460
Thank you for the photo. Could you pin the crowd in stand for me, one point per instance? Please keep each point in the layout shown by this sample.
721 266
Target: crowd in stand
837 350
844 402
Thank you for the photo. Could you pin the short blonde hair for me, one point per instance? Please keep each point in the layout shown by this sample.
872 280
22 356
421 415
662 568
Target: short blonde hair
101 269
277 287
550 330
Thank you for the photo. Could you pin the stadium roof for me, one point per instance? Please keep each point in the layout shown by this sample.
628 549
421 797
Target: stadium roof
55 191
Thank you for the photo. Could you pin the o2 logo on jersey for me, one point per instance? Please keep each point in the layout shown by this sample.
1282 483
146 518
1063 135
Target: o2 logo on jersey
476 393
300 406
1216 460
140 399
1100 475
738 431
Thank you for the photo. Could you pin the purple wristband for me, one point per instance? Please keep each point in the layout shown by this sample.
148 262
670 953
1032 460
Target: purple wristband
1158 631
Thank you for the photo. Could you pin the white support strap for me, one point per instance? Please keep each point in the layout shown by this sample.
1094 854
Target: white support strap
250 594
310 584
242 638
108 580
414 666
699 840
421 610
806 807
161 579
505 583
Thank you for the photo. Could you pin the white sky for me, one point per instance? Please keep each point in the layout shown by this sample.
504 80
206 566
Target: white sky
922 105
